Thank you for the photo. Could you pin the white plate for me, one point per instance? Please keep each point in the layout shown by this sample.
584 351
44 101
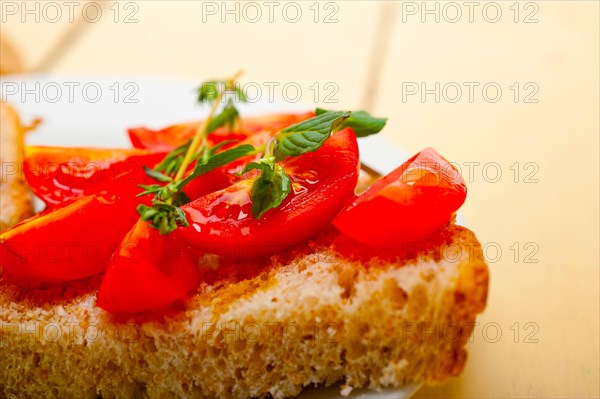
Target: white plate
96 111
333 392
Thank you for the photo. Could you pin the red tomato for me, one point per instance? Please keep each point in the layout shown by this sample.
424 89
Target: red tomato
148 272
72 241
227 175
57 175
410 203
323 181
173 136
163 268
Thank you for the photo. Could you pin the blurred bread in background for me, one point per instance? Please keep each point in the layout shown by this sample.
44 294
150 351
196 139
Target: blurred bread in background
10 62
15 198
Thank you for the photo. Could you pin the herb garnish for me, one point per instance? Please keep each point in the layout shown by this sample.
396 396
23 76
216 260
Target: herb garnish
361 123
273 184
164 213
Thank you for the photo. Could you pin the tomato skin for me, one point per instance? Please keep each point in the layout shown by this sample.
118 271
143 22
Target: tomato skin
168 138
58 175
72 241
148 272
407 205
222 223
227 175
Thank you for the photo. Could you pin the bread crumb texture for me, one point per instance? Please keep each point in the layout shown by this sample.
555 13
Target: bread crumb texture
310 316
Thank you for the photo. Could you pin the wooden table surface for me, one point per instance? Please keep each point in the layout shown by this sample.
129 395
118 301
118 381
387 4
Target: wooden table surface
509 91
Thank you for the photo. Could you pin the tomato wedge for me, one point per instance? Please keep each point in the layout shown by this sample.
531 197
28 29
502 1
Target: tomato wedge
163 267
222 223
227 175
70 242
148 272
407 205
173 136
57 175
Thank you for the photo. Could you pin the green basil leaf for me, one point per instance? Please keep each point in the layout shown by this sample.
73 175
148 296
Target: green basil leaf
270 188
260 165
310 134
361 122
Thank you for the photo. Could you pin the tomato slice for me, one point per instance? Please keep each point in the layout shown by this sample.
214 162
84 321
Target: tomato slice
173 136
407 205
227 175
57 175
148 272
222 223
70 242
163 268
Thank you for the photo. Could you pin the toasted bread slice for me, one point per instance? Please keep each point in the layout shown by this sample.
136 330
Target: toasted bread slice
307 317
15 199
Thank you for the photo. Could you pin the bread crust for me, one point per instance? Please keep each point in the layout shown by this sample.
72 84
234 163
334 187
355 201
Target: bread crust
309 316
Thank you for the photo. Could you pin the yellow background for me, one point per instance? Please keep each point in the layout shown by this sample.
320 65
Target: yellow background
372 52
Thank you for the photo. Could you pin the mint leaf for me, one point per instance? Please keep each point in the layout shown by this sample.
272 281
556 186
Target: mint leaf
270 188
361 122
310 134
